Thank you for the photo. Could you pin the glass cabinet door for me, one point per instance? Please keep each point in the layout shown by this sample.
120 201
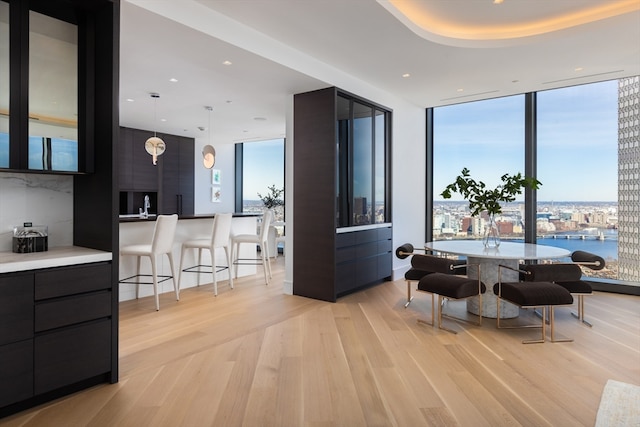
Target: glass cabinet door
53 94
362 178
4 84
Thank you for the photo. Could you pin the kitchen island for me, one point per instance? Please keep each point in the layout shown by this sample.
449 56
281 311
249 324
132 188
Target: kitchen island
139 230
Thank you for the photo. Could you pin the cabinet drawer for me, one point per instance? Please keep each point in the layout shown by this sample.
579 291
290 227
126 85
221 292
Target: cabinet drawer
385 233
384 246
74 280
16 372
16 308
67 311
70 355
345 239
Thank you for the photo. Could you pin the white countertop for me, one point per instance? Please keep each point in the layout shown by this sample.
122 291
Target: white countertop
54 257
506 250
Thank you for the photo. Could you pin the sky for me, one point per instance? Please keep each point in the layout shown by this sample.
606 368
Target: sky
577 142
263 167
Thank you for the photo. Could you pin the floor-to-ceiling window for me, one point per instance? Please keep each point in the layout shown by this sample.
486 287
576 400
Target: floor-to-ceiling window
578 161
488 139
585 154
262 168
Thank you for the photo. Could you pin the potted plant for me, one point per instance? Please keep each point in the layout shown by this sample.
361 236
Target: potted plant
481 198
272 198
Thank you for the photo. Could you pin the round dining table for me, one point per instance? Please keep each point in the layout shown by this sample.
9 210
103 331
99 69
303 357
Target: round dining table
509 254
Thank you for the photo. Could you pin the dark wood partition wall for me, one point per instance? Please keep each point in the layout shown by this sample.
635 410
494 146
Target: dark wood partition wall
328 263
67 337
314 159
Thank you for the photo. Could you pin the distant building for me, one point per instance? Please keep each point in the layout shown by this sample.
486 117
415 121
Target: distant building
628 194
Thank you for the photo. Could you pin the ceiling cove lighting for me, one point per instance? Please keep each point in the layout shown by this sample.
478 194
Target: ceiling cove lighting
154 145
433 24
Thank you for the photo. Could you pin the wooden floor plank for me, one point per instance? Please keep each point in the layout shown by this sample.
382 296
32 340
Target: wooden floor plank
253 356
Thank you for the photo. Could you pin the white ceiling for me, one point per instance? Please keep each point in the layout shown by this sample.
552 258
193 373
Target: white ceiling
463 50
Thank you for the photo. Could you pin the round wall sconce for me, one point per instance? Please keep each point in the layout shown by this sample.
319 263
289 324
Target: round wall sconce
208 156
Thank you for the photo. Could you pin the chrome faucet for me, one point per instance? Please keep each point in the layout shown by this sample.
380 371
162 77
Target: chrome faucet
147 205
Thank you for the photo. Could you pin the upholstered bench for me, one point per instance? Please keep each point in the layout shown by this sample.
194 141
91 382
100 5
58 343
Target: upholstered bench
534 295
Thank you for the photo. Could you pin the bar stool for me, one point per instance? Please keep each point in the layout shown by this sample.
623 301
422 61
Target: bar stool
219 239
161 243
260 240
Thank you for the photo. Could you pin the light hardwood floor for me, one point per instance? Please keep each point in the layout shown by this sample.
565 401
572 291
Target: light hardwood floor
255 357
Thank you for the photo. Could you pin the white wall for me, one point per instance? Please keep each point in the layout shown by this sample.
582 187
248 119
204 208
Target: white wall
225 163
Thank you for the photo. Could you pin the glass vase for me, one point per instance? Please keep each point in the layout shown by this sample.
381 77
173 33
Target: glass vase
491 233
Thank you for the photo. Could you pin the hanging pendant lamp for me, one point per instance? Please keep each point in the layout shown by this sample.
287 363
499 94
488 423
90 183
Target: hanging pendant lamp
154 145
208 152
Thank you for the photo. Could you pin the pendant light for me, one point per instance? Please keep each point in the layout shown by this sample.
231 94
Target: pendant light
154 145
208 152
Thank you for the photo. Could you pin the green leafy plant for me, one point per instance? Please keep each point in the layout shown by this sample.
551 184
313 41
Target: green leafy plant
273 198
481 198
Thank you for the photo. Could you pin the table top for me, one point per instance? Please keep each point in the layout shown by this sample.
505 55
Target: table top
506 250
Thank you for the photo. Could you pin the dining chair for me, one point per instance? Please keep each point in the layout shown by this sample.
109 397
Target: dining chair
569 276
259 240
220 235
444 282
437 276
161 244
417 271
536 294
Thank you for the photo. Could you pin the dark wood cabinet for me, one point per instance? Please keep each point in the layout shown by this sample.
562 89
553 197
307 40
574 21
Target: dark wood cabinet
16 372
57 329
16 338
16 308
329 264
177 195
135 168
72 354
169 183
362 257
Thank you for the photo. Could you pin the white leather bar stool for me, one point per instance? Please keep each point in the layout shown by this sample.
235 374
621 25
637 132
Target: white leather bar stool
161 243
219 239
260 240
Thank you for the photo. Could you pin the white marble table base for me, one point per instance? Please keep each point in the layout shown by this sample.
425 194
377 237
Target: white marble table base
489 276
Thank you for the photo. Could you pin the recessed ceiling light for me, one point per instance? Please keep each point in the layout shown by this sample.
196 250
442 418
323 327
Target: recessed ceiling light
497 1
172 80
163 120
226 62
130 100
578 69
405 75
459 90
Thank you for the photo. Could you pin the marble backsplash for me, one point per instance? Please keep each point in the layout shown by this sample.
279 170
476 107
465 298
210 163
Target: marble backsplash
39 199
